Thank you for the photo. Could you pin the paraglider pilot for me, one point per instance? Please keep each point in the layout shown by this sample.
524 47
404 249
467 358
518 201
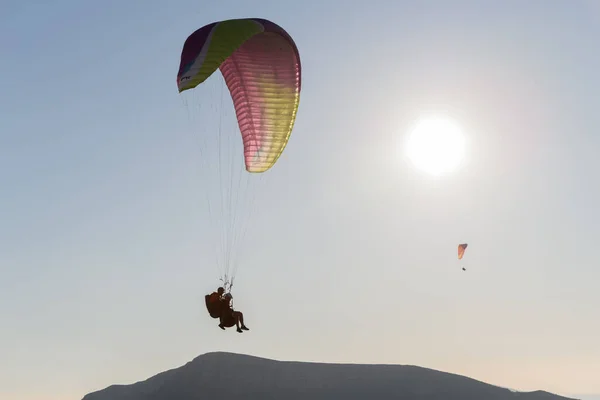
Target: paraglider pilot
219 306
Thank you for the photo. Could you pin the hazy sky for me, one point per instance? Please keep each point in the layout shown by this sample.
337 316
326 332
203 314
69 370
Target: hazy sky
104 246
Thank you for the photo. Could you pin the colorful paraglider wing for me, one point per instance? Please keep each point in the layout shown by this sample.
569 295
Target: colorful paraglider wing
261 66
461 250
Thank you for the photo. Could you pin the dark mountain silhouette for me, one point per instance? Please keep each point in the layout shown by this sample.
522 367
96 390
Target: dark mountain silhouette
235 376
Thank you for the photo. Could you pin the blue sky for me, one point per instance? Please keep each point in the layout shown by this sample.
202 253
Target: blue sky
105 249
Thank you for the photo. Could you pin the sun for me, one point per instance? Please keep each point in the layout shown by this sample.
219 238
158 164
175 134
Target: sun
436 145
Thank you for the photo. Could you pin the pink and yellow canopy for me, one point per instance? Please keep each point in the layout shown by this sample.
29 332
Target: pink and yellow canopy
261 66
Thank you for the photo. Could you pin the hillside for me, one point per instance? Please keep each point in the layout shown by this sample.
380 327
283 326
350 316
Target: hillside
235 376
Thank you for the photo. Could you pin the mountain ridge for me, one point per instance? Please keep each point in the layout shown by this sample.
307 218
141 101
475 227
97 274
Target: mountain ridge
237 376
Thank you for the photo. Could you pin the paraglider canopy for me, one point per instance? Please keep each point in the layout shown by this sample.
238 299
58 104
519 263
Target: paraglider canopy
461 250
261 66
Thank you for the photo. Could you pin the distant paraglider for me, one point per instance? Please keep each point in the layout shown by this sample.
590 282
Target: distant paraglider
461 252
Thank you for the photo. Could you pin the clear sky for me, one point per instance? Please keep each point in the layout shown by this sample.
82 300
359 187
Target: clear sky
104 245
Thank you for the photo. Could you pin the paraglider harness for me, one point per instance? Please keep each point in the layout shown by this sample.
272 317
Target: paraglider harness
215 312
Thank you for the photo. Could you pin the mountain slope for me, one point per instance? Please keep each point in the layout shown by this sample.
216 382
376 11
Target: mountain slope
236 376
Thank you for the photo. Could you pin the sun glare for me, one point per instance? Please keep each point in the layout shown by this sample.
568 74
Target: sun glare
436 146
